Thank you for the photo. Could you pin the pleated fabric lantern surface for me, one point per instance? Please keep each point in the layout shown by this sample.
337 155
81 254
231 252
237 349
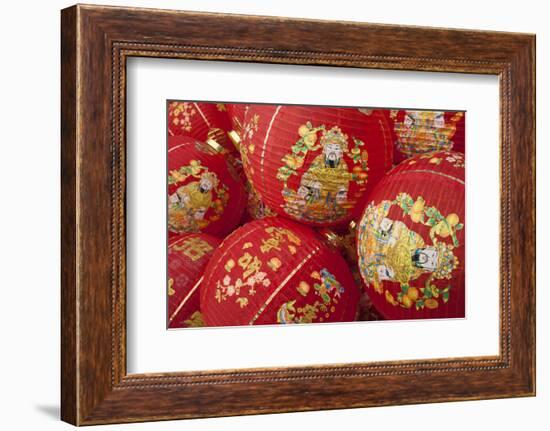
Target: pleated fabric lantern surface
255 208
314 165
236 113
419 132
205 193
411 239
345 241
200 120
188 255
273 271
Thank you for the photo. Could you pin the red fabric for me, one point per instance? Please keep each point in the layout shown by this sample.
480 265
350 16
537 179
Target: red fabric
188 255
236 112
200 120
315 164
205 193
418 132
344 241
411 239
276 271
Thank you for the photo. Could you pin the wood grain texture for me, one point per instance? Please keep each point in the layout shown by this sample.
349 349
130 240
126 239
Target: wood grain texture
96 42
69 397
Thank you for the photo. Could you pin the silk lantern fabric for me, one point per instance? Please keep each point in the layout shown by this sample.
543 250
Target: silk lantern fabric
236 112
205 193
419 132
411 239
273 271
314 164
188 255
200 120
345 241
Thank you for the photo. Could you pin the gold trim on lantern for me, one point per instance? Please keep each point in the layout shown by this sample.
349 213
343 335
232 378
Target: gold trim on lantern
235 139
262 156
199 110
184 300
215 146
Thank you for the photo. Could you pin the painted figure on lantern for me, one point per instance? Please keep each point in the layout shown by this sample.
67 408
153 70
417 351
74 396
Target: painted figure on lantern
323 189
190 203
393 252
425 131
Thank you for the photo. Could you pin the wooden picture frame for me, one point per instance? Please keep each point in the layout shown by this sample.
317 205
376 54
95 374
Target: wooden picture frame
96 41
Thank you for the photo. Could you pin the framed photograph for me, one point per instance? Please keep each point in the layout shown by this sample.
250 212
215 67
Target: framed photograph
329 214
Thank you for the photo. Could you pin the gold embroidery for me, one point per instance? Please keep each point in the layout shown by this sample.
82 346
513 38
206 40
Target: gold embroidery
193 248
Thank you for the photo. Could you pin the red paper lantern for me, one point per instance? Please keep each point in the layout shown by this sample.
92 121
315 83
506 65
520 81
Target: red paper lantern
420 132
314 164
345 241
205 192
276 271
411 239
187 257
200 120
236 112
255 207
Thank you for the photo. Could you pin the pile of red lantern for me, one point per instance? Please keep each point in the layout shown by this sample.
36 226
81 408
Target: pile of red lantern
300 214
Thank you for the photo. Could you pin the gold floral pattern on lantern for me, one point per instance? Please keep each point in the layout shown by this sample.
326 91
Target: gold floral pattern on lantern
181 114
322 192
189 204
390 250
246 275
